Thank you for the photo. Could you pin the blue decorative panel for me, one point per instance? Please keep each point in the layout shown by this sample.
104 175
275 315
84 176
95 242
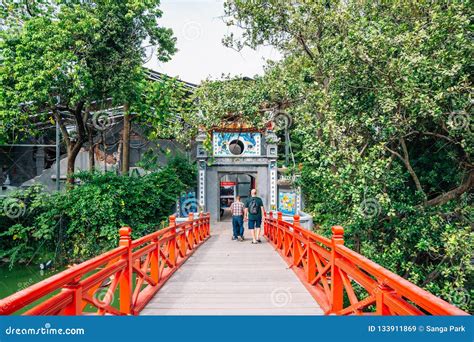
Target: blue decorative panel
229 144
287 202
188 203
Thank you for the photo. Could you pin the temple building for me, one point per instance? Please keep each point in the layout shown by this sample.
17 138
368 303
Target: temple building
242 158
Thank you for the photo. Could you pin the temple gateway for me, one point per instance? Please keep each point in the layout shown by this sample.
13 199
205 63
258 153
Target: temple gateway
242 158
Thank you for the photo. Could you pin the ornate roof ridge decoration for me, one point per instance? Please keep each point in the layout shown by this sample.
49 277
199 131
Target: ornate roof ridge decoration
235 123
236 128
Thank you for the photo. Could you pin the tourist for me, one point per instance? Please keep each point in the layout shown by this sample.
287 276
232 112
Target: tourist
237 209
254 212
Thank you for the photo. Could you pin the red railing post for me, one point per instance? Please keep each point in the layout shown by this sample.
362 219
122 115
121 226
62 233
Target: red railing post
269 226
75 307
296 221
154 260
266 225
381 291
200 227
205 225
202 230
190 237
278 231
127 273
296 243
286 233
194 229
337 287
172 246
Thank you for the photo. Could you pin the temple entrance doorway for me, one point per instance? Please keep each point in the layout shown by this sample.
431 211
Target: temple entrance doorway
232 185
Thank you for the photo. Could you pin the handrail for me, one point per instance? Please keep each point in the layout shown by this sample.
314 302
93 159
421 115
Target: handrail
329 270
135 271
36 291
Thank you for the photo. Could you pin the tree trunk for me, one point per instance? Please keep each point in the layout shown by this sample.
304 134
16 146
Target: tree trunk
409 167
454 193
126 141
119 156
406 161
70 168
73 147
72 153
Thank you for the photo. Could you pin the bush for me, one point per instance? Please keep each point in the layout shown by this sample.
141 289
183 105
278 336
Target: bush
19 237
385 222
84 221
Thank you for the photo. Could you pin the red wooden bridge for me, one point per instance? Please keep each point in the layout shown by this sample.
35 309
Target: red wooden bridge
127 280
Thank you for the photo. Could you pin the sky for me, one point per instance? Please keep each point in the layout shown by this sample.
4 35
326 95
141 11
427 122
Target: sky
199 29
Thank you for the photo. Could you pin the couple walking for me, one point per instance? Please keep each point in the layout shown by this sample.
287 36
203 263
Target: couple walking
252 211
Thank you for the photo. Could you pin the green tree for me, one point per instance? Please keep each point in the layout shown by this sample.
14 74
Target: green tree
62 59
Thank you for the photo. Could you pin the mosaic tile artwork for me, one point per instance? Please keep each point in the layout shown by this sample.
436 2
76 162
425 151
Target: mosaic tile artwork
287 203
248 141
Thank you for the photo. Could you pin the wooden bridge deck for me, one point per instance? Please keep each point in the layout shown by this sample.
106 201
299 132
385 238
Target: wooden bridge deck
225 277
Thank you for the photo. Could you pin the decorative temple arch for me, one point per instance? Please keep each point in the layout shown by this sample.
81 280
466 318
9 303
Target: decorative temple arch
237 148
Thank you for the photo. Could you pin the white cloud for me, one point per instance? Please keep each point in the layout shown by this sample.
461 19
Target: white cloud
199 28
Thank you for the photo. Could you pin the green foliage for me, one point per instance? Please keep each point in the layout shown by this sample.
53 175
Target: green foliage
184 169
72 56
84 221
165 108
238 96
380 96
18 237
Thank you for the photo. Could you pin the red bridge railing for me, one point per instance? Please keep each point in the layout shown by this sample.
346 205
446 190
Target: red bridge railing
332 273
134 271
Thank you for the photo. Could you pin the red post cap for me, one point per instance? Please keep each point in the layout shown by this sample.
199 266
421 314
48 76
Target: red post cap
125 231
337 231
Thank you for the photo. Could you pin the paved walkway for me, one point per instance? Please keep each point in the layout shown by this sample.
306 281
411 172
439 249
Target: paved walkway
225 277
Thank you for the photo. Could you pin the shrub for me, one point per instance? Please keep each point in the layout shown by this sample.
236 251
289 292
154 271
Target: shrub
84 221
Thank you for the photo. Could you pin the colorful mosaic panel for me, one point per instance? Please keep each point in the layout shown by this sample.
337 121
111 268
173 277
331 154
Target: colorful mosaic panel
229 144
287 202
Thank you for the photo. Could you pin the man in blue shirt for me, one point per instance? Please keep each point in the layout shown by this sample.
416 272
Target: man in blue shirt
254 212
